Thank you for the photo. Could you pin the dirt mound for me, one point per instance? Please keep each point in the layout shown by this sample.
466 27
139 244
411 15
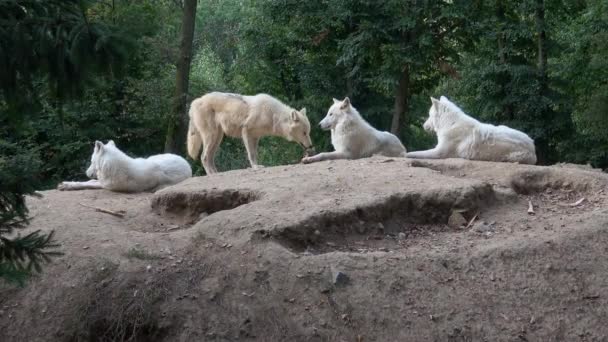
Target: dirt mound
367 250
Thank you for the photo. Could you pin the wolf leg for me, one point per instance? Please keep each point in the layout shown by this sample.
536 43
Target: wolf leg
92 184
211 143
213 148
435 153
251 145
326 156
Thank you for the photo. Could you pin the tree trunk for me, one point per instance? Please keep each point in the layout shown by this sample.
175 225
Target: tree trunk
542 149
178 123
350 88
542 45
402 96
507 109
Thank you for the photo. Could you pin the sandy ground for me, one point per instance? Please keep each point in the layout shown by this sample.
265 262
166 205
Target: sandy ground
377 249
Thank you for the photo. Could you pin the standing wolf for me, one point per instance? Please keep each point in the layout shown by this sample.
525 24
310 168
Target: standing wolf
113 170
461 136
354 138
246 117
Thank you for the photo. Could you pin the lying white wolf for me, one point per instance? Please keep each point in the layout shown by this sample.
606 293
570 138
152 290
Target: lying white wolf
246 117
461 136
113 170
353 137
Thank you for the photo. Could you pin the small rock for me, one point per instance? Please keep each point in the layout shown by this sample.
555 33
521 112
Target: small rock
483 227
402 236
148 268
85 247
456 220
340 278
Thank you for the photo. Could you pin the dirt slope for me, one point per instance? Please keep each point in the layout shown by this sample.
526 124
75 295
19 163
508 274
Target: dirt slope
334 251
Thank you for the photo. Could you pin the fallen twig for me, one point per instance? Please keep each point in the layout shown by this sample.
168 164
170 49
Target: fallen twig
575 204
471 222
530 208
120 214
593 296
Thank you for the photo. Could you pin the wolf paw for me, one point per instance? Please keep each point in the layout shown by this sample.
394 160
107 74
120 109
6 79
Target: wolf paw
63 186
257 167
307 160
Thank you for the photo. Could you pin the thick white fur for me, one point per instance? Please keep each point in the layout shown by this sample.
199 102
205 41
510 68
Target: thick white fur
246 117
113 170
461 136
353 137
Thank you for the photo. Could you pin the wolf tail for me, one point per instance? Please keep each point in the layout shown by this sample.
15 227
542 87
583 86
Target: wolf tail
194 138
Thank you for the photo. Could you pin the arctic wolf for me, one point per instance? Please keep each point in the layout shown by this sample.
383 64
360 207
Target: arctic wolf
461 136
113 170
246 117
353 138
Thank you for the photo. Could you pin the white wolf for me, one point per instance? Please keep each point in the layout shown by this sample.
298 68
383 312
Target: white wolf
353 137
113 170
246 117
461 136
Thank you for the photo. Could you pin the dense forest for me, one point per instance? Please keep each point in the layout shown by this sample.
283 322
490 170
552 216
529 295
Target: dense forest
73 72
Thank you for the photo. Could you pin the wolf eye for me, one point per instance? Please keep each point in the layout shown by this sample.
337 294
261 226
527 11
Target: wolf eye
331 114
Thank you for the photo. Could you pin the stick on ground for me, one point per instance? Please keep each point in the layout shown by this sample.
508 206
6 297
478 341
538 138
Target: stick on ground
107 211
471 222
530 208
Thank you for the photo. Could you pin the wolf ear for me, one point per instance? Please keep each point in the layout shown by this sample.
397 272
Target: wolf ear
303 111
98 146
294 116
111 143
336 100
443 99
345 103
434 101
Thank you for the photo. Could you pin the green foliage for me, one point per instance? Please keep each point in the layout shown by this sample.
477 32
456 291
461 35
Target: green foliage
19 255
481 54
52 41
583 67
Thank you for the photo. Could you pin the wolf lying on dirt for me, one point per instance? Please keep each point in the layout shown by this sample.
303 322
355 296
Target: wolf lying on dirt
113 170
353 137
246 117
461 136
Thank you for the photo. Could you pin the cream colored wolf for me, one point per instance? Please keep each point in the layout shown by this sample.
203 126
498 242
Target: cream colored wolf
461 136
353 137
247 117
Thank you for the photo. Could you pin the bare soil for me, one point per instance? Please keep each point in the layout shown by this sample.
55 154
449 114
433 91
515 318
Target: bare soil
335 251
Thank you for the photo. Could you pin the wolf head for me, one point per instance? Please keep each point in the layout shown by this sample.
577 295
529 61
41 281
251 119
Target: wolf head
336 113
299 130
442 112
429 124
98 153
